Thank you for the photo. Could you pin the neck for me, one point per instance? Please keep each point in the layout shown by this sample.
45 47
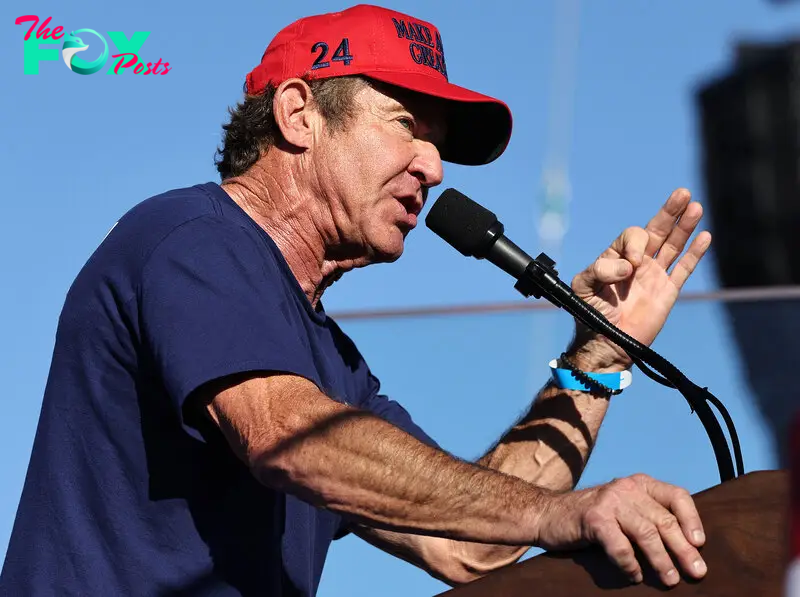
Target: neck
298 222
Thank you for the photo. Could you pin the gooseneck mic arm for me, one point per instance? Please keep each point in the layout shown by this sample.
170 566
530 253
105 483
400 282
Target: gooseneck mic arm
541 280
475 231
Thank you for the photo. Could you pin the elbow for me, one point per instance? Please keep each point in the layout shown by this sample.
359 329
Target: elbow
462 566
274 454
453 563
275 467
457 576
457 573
275 473
450 572
290 470
270 458
469 572
277 425
460 573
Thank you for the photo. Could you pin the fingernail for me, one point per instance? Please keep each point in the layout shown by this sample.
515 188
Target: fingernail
622 268
700 567
637 578
699 537
672 577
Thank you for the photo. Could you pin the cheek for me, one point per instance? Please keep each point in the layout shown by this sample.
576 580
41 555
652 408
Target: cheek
361 165
356 175
353 160
376 152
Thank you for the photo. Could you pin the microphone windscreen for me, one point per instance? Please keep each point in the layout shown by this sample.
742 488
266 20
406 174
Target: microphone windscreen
460 221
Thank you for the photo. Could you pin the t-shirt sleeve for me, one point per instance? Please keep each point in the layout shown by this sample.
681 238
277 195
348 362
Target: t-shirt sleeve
213 303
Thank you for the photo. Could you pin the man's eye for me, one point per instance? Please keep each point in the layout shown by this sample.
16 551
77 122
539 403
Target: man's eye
408 123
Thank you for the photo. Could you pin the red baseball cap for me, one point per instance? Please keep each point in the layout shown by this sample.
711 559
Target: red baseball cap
394 48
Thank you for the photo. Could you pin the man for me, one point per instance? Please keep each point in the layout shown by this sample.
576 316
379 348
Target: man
208 430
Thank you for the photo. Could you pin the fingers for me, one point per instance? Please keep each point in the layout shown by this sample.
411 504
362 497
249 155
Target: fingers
681 504
658 518
672 227
630 245
664 238
617 263
607 270
647 536
661 225
680 234
681 527
620 551
687 264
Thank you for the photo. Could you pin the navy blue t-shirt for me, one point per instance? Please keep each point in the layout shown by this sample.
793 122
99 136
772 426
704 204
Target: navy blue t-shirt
125 494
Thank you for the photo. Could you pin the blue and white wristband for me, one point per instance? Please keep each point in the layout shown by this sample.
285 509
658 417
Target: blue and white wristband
573 379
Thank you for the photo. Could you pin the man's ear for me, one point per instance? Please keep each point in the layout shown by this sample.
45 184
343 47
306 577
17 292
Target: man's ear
295 113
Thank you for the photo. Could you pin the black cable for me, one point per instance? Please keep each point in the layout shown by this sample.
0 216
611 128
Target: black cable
541 279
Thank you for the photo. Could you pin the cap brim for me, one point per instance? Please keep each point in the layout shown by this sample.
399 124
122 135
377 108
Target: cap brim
478 126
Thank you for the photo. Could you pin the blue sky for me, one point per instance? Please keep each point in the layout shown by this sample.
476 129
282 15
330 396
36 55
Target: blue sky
78 151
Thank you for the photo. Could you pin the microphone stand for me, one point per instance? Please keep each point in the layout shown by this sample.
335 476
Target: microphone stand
540 279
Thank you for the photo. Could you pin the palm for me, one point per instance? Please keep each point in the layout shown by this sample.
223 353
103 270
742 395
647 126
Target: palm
636 306
640 301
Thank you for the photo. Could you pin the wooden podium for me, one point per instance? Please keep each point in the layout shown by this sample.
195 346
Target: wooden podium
746 551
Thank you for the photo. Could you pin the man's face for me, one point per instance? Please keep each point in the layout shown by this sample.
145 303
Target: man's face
375 174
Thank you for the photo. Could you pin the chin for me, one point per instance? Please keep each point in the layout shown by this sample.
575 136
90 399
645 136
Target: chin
387 256
390 249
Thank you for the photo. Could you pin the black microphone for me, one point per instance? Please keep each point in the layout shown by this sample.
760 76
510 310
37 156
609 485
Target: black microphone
474 231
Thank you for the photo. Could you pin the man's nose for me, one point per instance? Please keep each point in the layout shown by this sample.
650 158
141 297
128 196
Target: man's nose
427 164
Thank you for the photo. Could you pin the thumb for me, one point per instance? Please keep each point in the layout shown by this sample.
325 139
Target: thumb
605 270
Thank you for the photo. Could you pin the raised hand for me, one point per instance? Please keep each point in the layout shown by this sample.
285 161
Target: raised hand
636 281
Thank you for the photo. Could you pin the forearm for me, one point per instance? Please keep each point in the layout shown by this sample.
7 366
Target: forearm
551 444
549 447
355 463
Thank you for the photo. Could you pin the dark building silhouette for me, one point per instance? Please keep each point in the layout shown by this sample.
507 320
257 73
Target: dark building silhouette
750 130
